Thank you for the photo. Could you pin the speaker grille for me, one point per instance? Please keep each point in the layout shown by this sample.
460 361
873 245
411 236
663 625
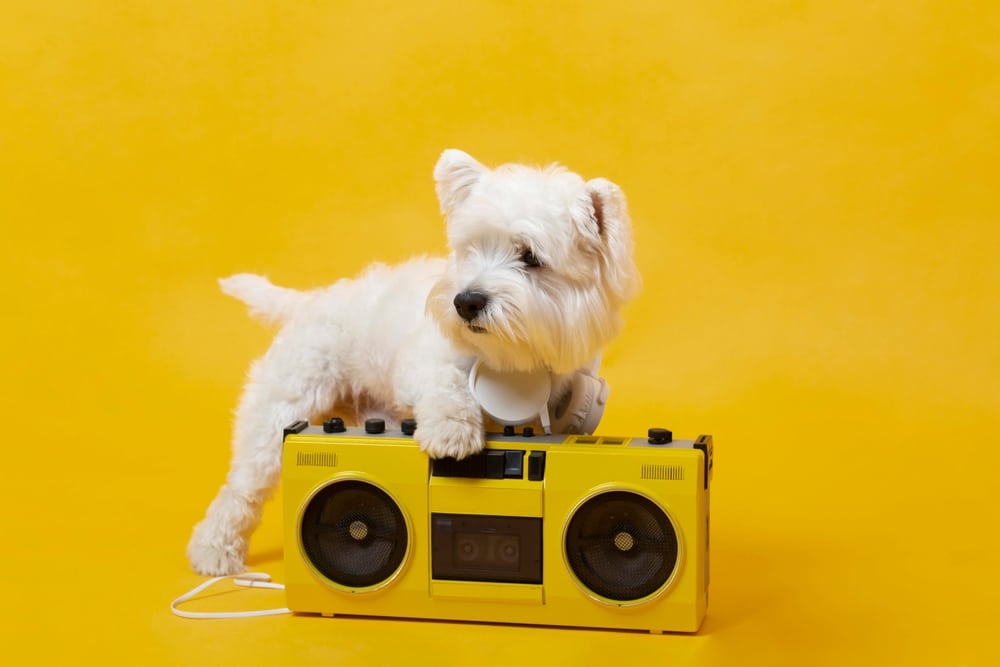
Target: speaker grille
621 546
354 534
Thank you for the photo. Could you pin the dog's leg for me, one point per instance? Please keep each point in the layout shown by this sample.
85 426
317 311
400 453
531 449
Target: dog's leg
285 386
436 384
449 420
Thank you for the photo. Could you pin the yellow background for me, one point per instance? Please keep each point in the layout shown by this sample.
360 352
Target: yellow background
814 191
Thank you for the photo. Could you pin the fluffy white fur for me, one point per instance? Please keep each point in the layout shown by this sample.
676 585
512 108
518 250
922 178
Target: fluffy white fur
544 263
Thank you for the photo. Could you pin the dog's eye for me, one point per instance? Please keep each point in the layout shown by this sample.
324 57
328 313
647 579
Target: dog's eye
529 259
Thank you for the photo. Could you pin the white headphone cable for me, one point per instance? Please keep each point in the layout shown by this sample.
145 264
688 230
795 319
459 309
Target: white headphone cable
247 579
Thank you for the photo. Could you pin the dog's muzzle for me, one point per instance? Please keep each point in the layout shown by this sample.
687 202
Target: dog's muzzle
470 304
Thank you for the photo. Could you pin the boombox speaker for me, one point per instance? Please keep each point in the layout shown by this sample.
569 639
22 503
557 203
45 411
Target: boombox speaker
583 531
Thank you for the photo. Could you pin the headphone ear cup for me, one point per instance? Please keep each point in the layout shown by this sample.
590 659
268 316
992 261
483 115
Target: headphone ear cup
584 405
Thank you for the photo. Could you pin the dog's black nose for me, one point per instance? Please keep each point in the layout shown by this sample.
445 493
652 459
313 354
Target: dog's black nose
468 304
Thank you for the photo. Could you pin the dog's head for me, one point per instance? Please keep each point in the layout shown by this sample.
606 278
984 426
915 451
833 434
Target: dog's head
541 264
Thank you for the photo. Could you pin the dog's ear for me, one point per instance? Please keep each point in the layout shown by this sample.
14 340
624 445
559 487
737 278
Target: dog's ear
455 174
610 213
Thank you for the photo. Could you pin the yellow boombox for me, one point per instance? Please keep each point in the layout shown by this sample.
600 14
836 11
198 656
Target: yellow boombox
584 531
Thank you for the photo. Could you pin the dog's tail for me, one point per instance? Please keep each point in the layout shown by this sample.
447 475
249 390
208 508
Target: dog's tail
268 302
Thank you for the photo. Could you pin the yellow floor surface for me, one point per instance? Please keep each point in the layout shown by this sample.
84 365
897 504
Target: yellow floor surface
814 192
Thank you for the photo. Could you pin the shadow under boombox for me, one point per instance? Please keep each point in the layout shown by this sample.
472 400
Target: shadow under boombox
583 531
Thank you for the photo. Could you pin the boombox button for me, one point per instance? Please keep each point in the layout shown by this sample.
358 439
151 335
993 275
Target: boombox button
536 466
514 464
495 463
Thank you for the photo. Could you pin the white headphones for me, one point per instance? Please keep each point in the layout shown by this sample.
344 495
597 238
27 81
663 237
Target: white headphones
519 397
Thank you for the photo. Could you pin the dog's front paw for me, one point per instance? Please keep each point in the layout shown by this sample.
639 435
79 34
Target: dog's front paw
449 438
211 554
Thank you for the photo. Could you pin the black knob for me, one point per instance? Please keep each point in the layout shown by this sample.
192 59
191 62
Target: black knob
508 430
334 425
660 436
408 426
528 432
374 426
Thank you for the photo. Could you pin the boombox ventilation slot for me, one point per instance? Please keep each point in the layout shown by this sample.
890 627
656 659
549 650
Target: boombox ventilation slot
662 472
325 459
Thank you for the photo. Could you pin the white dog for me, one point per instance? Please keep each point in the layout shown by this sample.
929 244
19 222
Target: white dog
540 267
